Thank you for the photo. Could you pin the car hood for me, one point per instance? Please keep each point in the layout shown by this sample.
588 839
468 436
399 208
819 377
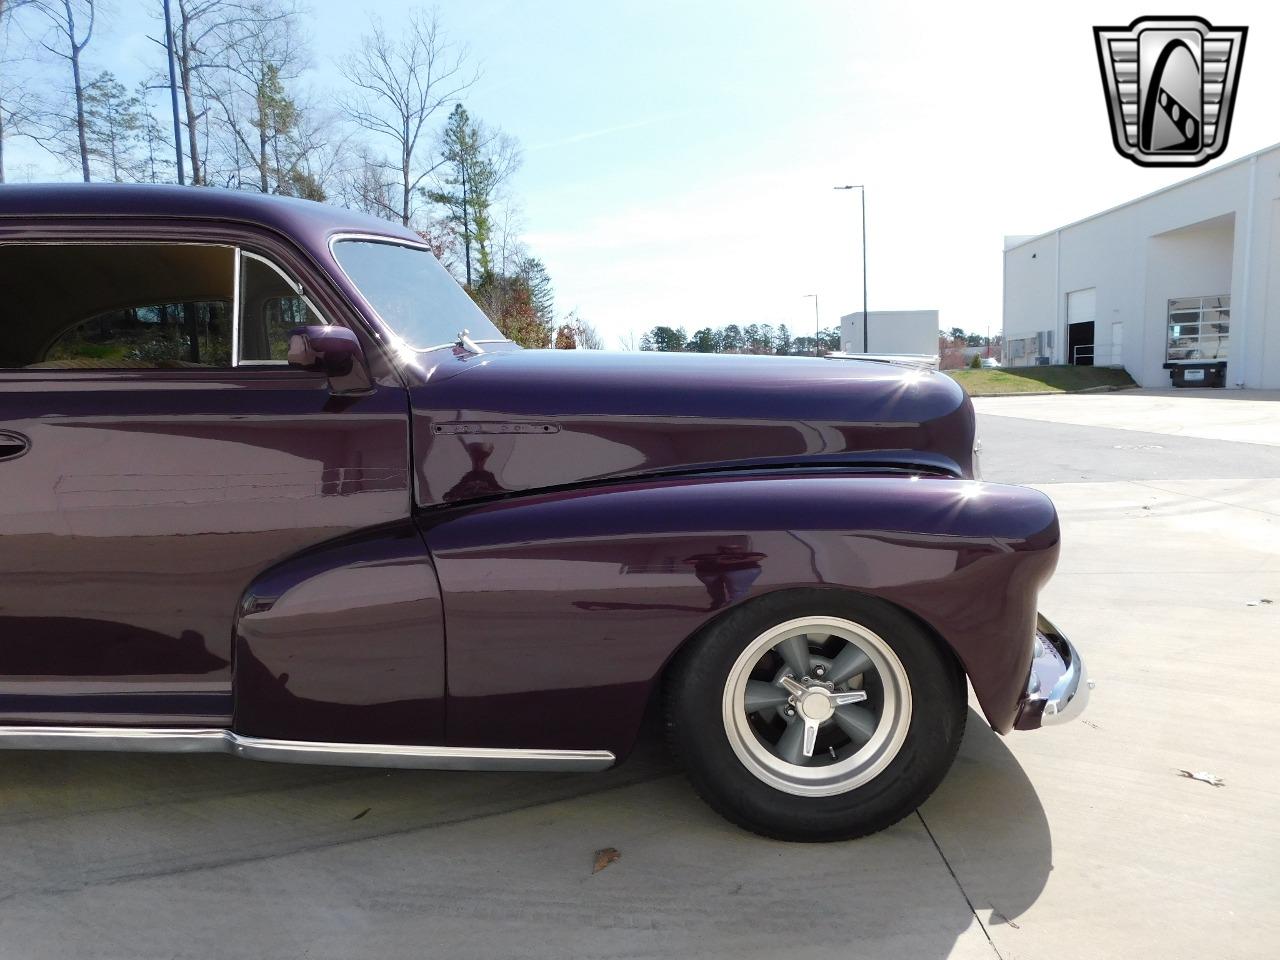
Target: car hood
526 420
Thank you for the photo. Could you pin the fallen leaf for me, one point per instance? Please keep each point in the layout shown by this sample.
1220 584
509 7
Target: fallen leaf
605 857
1203 776
362 813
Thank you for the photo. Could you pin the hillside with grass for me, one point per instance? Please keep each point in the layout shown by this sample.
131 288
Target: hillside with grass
1058 379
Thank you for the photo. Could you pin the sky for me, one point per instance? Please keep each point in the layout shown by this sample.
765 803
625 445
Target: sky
679 157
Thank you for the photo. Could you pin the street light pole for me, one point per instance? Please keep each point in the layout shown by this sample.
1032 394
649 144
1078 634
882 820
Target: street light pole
817 324
866 319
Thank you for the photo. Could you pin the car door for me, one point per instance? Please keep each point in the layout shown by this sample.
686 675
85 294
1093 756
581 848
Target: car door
156 454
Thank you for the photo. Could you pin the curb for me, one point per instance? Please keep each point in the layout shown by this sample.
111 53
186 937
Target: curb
1055 393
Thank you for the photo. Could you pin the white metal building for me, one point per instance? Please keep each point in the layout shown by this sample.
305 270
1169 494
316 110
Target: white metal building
891 332
1187 276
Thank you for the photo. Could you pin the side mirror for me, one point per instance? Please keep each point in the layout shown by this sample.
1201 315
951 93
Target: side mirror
333 351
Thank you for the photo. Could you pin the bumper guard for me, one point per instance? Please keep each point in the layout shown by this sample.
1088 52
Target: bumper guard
1057 686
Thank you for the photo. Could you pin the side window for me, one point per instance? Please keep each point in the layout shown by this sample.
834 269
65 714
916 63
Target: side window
116 305
270 306
148 306
165 335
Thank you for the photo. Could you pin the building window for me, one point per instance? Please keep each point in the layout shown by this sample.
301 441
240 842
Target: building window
1199 328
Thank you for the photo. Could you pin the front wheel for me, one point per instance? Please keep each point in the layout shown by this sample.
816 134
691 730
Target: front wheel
815 715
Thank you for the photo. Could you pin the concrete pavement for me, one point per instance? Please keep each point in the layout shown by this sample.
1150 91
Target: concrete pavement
1076 842
1243 416
1171 539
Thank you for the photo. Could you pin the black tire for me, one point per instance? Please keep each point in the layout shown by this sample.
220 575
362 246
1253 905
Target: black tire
696 728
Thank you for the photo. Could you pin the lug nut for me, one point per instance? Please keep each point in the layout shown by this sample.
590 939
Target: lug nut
819 670
791 711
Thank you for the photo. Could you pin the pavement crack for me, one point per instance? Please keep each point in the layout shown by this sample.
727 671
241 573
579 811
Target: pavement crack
1195 496
331 843
959 886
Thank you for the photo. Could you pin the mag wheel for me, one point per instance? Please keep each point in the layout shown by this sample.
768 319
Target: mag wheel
816 715
816 706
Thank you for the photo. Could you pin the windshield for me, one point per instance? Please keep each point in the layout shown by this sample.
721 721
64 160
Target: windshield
413 293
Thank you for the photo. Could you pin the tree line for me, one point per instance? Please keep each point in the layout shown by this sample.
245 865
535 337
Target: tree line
395 140
755 338
766 339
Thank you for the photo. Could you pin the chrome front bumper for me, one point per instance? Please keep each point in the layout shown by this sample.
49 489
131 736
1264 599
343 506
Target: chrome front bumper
1057 686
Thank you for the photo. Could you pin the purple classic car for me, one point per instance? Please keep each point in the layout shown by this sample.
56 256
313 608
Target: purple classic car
270 484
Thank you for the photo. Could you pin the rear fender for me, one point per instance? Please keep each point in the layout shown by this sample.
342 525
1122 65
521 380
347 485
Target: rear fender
563 608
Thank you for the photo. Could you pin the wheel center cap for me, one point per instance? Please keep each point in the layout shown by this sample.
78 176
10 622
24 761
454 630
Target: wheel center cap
815 705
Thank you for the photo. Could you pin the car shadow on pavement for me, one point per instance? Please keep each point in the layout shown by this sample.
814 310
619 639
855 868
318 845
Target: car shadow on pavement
990 826
362 863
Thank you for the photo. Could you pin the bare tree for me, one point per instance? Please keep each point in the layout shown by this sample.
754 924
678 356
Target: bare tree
196 30
508 249
70 28
157 165
400 82
585 335
202 30
257 108
18 108
312 162
589 337
369 187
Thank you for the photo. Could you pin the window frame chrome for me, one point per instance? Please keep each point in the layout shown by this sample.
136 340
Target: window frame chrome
296 286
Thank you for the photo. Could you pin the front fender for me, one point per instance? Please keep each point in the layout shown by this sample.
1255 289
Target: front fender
563 608
343 642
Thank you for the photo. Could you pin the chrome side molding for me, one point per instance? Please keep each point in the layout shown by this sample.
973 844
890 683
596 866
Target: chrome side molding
198 740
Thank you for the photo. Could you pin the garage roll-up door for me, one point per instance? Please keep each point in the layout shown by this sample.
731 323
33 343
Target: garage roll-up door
1082 305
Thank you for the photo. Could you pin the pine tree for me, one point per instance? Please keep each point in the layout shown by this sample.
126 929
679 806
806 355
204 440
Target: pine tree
782 340
114 125
731 340
668 339
532 271
466 205
522 306
476 162
705 340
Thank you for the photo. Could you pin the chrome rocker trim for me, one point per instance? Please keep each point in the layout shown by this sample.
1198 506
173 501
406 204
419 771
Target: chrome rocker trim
196 740
1057 686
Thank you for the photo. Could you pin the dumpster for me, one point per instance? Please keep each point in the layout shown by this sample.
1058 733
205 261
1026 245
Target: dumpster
1210 373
